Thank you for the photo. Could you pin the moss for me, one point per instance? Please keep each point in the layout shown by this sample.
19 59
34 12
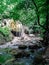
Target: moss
5 35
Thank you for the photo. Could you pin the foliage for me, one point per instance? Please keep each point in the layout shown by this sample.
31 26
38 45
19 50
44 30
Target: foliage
5 34
28 12
24 10
4 57
5 31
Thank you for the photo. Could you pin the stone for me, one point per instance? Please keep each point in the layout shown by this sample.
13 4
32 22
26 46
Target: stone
26 31
32 50
33 46
31 35
21 54
39 60
22 47
31 31
13 32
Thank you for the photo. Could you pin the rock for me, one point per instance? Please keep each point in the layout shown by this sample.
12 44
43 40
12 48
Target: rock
47 52
31 31
33 46
39 47
18 34
26 54
21 54
34 41
26 31
13 32
32 50
31 35
2 39
22 47
39 60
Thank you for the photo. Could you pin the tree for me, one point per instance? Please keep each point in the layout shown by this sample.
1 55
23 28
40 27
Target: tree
46 24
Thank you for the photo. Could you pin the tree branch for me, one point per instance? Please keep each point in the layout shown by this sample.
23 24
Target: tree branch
37 14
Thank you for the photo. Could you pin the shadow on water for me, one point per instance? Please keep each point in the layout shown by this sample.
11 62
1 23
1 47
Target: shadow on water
31 55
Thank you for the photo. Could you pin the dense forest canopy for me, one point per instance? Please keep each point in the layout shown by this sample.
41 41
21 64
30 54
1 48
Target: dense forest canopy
23 10
29 12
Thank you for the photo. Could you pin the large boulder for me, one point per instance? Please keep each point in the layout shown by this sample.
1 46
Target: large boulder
26 30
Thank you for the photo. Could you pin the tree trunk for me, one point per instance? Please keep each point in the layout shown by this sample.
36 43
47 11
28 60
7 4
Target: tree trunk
38 14
46 34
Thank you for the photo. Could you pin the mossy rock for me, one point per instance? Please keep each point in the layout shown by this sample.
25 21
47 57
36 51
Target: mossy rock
2 39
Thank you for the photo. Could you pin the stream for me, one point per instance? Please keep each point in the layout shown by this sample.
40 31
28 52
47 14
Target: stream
26 51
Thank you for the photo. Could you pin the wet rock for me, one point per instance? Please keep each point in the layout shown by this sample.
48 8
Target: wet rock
31 35
47 52
22 47
14 51
32 51
26 31
13 32
39 47
21 54
18 34
41 50
39 60
30 31
33 46
34 42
